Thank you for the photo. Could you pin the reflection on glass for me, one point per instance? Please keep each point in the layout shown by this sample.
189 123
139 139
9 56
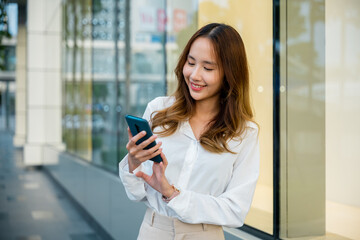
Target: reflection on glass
7 105
104 74
342 119
8 56
103 120
82 80
322 115
303 140
182 23
147 54
121 125
68 49
76 77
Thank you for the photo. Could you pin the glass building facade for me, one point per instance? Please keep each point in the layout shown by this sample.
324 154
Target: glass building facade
115 60
8 25
119 55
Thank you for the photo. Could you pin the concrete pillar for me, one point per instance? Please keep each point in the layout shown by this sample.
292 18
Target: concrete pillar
20 94
43 79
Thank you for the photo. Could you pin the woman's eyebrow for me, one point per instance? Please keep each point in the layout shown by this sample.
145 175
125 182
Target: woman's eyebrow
192 58
206 62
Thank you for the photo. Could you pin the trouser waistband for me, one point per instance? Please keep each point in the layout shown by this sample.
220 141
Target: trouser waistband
168 223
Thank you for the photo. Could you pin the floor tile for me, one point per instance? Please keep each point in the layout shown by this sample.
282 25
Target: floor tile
40 215
10 198
31 185
32 206
4 216
32 237
76 227
86 236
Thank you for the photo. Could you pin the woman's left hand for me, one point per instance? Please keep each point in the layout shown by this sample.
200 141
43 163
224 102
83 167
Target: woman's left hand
158 180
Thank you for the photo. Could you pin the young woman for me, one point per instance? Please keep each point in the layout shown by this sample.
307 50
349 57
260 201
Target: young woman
207 139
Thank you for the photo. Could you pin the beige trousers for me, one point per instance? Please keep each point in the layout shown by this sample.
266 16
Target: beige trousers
158 227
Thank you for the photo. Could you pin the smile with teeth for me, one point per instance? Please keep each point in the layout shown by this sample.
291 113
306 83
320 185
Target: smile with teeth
197 86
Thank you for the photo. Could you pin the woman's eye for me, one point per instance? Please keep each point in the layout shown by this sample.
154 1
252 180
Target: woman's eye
208 69
191 64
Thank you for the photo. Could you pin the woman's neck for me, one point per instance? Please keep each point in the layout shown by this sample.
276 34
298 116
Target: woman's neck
203 114
206 111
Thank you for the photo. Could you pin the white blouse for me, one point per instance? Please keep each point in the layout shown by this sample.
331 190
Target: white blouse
215 188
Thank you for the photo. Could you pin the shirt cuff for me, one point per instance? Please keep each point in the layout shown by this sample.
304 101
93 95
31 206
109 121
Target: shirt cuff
124 166
134 186
180 205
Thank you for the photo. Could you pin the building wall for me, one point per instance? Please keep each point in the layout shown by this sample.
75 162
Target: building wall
43 79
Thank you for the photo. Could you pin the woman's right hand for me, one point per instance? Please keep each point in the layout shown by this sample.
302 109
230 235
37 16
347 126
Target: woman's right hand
137 153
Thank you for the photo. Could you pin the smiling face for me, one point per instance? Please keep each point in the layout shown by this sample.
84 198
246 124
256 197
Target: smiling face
202 72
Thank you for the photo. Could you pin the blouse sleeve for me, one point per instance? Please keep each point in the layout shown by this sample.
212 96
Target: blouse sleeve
134 186
230 208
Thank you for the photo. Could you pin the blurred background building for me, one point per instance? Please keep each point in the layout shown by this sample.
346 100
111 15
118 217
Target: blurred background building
72 69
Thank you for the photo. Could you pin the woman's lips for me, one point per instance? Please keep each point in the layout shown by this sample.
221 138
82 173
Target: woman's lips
196 87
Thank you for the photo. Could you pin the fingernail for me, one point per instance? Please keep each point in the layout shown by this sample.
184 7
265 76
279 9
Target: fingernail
143 132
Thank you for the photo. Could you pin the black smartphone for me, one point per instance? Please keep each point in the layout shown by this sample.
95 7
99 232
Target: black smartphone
137 125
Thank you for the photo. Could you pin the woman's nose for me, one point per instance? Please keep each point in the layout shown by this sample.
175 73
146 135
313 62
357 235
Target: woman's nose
195 75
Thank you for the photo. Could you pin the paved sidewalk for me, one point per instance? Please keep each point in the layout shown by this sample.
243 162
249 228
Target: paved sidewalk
32 207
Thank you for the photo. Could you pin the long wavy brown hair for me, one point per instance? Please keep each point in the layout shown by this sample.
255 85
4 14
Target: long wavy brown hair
234 105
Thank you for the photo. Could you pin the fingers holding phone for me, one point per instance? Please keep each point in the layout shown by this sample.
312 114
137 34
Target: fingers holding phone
141 152
136 126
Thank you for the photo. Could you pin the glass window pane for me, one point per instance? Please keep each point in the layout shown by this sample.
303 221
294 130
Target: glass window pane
104 138
76 78
147 54
104 83
68 64
82 80
182 23
320 114
342 119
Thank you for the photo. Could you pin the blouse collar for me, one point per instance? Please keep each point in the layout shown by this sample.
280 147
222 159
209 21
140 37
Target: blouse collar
186 129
